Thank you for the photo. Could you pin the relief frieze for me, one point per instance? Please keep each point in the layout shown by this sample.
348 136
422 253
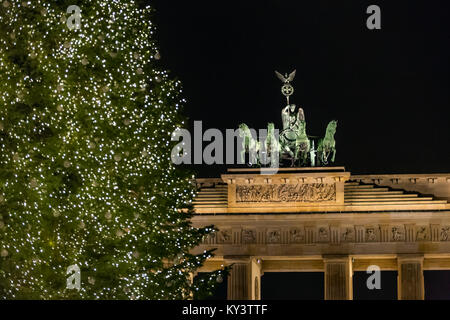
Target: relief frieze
313 192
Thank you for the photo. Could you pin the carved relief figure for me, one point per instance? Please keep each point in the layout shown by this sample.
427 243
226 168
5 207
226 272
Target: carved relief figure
348 234
224 236
371 235
323 234
297 235
421 234
248 236
397 234
273 236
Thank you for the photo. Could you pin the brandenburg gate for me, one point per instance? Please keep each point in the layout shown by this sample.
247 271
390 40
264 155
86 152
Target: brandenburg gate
324 219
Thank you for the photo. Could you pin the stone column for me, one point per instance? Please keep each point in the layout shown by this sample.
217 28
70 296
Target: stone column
410 277
238 282
244 281
338 278
239 279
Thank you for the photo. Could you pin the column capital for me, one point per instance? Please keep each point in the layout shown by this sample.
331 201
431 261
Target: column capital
237 259
335 258
409 257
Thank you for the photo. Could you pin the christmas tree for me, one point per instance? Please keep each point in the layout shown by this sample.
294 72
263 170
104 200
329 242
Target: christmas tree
86 179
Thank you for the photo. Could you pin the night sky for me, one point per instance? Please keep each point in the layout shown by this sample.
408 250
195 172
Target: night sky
387 88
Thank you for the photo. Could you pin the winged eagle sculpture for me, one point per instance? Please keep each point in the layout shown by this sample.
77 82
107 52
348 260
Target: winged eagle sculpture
287 78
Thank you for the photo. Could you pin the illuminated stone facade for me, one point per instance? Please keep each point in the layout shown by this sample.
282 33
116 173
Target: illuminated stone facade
327 220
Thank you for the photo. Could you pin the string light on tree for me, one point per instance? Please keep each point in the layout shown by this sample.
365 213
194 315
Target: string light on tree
84 119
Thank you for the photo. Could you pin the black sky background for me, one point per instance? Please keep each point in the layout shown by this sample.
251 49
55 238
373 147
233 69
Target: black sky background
387 88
